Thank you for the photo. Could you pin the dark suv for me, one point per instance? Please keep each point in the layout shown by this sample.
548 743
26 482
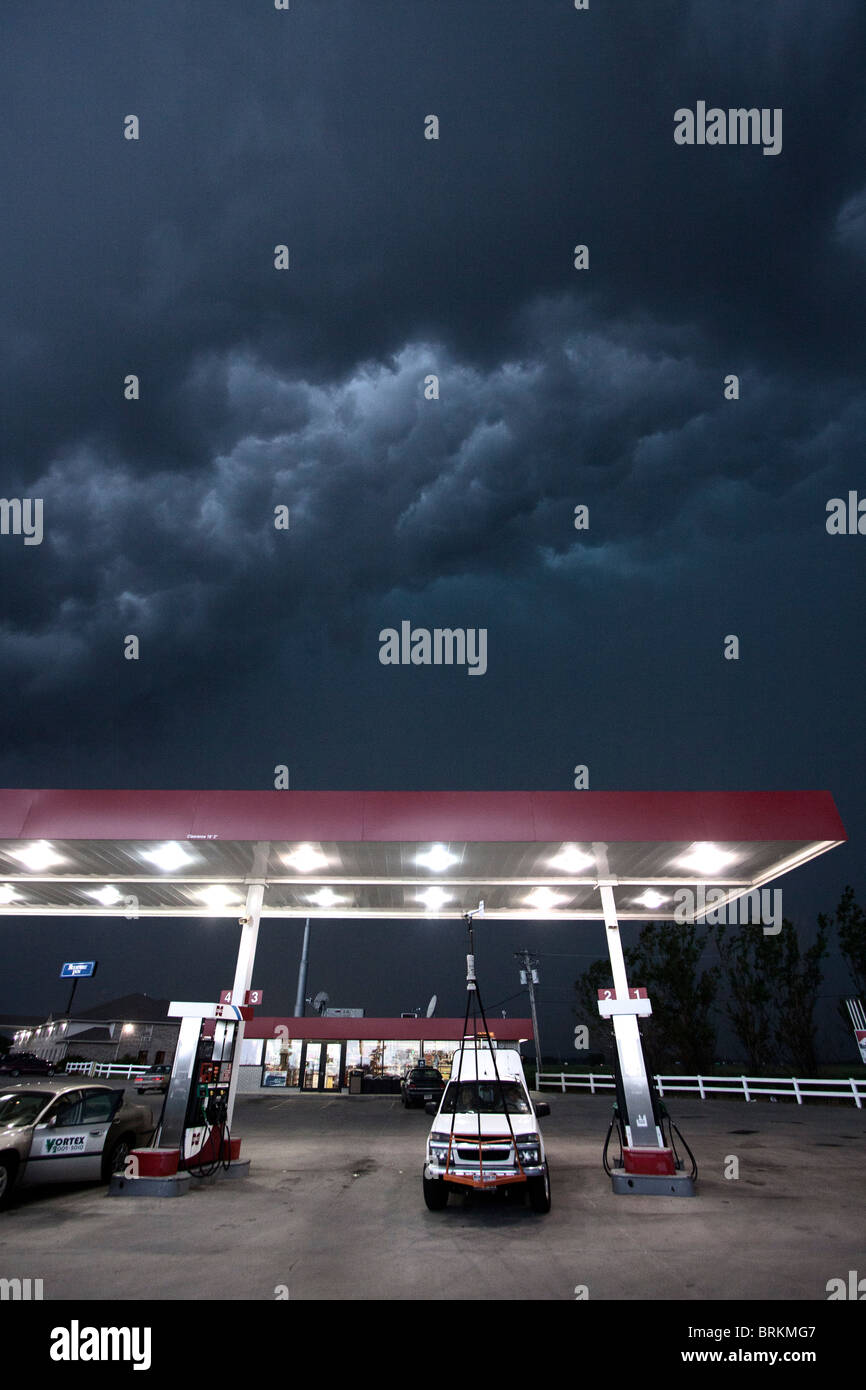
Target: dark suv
24 1064
420 1085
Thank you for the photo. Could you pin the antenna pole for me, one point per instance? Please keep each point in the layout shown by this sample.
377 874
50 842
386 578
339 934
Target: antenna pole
300 1006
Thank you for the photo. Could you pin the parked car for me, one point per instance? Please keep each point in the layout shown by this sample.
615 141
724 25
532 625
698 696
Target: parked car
154 1079
485 1132
25 1063
420 1085
66 1131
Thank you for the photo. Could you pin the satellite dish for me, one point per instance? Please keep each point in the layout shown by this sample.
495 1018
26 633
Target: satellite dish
320 1003
431 1007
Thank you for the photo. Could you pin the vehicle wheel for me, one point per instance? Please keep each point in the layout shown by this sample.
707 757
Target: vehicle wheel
435 1193
115 1159
539 1191
8 1169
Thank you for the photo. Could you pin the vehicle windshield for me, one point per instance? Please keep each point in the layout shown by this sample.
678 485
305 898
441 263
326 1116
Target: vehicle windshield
425 1074
20 1108
486 1098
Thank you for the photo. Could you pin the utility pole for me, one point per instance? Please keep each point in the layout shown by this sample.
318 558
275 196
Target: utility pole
529 976
300 997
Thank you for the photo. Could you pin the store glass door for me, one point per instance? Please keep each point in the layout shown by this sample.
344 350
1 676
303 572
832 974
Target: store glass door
323 1066
332 1070
312 1066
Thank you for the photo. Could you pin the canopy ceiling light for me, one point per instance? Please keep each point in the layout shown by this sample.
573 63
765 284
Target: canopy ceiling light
37 857
437 859
306 859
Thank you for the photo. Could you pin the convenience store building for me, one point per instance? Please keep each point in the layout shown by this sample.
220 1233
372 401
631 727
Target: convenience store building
322 1054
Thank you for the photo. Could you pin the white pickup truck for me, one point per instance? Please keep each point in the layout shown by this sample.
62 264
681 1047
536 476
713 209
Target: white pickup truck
486 1132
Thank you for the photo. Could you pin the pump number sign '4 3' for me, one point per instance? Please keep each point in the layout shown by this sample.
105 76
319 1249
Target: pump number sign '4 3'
251 998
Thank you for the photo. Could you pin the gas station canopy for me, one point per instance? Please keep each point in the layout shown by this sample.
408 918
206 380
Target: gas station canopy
400 855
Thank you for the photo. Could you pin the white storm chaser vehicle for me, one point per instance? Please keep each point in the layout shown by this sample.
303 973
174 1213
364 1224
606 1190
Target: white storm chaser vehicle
486 1132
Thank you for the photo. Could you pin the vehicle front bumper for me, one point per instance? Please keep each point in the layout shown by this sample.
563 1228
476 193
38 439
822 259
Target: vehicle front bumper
476 1175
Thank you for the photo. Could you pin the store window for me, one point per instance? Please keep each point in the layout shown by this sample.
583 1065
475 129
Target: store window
364 1055
251 1052
439 1054
282 1062
398 1056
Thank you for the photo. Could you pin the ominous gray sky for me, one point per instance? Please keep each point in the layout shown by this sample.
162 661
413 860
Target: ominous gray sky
305 387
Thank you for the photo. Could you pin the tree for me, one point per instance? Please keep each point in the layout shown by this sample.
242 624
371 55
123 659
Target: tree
850 923
773 990
748 1005
800 976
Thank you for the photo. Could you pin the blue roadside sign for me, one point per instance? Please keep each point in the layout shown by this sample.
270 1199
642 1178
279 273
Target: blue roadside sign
75 969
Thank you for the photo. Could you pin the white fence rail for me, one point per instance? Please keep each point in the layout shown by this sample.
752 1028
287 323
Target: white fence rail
747 1087
124 1069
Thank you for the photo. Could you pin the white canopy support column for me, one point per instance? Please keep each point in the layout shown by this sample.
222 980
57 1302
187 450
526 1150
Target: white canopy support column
640 1126
244 977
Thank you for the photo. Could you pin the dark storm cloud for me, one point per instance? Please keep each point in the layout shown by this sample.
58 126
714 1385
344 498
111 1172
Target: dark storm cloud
308 129
387 489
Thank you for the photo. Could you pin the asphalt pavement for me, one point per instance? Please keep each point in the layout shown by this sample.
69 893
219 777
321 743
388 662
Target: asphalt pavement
333 1210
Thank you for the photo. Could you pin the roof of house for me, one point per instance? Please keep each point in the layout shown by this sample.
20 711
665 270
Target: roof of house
129 1008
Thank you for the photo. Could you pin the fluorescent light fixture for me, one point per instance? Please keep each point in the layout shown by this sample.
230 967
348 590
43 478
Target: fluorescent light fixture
219 895
38 856
544 898
8 894
434 898
705 858
168 857
651 898
305 859
108 895
438 858
572 860
326 897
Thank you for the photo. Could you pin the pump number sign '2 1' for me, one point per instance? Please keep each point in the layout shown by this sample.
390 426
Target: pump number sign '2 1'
76 969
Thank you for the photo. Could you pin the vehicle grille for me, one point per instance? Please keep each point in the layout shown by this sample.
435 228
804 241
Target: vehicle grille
487 1152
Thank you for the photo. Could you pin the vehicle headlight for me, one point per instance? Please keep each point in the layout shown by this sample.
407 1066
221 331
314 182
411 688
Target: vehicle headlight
439 1145
528 1148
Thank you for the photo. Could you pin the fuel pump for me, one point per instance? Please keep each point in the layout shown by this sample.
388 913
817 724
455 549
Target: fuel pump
195 1115
206 1139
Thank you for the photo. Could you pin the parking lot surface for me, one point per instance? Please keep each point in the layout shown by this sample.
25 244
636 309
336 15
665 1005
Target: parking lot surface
333 1210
